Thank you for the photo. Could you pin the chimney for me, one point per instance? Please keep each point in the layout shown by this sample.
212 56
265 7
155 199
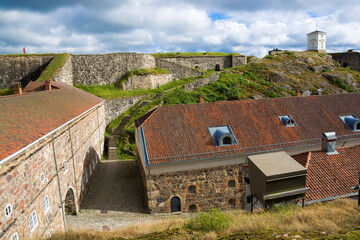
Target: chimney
47 85
201 98
17 88
298 94
329 142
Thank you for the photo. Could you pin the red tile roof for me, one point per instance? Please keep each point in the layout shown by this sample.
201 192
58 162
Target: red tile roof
27 117
331 176
180 132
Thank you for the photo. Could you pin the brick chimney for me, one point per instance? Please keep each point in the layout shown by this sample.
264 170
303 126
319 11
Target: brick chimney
17 88
201 98
298 94
47 85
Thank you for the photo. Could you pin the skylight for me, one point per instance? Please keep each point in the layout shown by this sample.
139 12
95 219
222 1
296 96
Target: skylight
352 122
222 136
288 121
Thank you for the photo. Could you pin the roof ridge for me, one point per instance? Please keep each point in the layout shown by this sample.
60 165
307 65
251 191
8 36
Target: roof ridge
308 160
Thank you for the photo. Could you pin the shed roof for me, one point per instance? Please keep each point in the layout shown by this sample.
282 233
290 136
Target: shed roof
27 117
176 133
316 32
276 164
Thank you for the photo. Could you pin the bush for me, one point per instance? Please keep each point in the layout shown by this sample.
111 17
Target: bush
214 220
269 57
290 53
340 83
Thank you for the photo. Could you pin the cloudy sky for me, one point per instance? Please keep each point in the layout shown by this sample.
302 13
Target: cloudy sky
250 27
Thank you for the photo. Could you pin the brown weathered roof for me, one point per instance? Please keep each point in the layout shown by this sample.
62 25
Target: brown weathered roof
331 176
180 132
27 117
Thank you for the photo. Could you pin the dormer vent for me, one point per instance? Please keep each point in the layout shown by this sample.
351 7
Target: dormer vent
329 143
352 122
222 136
288 121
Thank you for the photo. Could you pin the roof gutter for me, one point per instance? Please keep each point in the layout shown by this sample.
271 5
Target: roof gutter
48 134
332 198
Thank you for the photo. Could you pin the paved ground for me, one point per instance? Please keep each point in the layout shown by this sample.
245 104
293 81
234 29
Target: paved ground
114 198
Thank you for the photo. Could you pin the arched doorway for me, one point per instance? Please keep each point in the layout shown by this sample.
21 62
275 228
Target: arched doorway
70 205
175 204
217 67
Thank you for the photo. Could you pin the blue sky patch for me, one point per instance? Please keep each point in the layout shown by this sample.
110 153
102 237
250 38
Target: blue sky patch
218 16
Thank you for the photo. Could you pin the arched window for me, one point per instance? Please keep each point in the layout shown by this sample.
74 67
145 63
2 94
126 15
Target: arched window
227 140
192 189
192 208
232 202
231 184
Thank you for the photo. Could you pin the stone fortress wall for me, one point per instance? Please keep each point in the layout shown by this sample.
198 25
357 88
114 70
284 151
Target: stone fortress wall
348 59
57 168
24 68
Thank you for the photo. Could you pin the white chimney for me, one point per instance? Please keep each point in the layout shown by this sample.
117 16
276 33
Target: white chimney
329 143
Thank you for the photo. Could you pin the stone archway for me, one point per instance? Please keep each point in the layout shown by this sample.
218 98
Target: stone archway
217 67
70 204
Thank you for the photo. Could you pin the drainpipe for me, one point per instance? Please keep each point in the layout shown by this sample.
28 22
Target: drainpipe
151 206
59 186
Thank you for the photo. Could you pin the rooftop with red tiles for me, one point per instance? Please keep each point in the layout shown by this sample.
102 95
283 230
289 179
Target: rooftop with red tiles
331 176
27 117
176 133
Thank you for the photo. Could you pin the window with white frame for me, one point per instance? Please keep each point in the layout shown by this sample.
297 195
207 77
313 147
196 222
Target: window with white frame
46 204
8 210
15 236
33 222
65 166
79 159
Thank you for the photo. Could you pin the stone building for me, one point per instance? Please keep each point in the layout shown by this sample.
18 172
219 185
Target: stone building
316 41
51 139
193 157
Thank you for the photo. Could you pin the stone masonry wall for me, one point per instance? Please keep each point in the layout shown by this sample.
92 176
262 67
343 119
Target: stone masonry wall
178 71
147 82
207 62
36 173
117 106
22 69
201 82
212 190
65 74
238 61
351 59
107 68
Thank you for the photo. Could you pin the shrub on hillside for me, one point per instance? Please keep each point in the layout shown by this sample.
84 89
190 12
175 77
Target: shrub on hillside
214 220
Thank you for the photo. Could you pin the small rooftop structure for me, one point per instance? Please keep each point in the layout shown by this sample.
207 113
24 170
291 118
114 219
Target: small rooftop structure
316 41
276 177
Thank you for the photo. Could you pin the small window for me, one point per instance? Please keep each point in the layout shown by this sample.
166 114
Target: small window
15 236
86 176
8 210
46 204
33 222
65 166
79 159
42 177
231 183
232 202
288 121
192 208
352 122
192 189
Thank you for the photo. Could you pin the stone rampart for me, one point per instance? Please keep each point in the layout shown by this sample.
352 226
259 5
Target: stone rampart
201 82
208 62
178 71
351 59
211 189
150 81
65 74
107 68
115 107
24 68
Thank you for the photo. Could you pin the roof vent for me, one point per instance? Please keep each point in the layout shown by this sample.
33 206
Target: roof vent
352 122
17 88
288 121
222 136
329 142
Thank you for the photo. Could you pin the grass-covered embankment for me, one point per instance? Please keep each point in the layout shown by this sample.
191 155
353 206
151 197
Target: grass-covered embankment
54 66
332 220
194 54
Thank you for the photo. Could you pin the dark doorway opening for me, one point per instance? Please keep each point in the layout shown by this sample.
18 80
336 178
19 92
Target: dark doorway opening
217 67
175 204
345 64
70 205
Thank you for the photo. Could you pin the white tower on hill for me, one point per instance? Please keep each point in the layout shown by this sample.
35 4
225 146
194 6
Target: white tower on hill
316 41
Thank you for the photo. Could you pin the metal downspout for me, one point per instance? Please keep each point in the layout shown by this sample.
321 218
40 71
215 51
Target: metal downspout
59 186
